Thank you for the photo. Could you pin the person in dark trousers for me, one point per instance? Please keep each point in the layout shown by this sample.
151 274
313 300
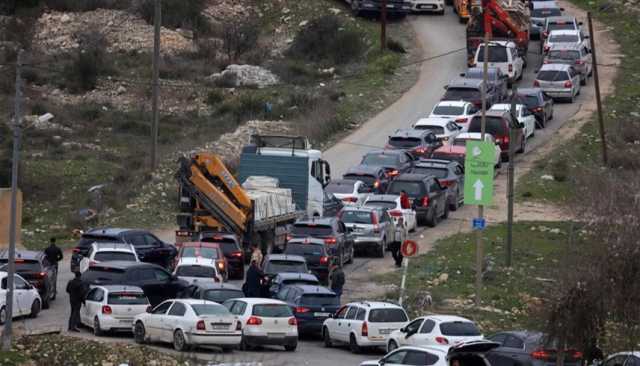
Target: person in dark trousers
77 291
396 253
253 284
337 280
54 255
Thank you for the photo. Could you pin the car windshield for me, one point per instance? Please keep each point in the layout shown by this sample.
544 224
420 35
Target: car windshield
23 265
190 270
312 230
413 189
529 100
380 159
209 253
564 38
387 316
564 55
404 142
462 94
438 130
339 188
560 26
227 245
438 172
304 249
222 295
272 310
356 217
546 12
114 256
447 110
552 75
279 266
390 205
496 54
495 126
127 298
366 178
477 74
98 274
320 299
459 329
209 309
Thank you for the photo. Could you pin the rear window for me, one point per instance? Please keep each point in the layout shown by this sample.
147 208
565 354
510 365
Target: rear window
299 281
195 271
320 300
380 159
209 309
495 126
496 54
564 38
564 55
563 26
387 316
529 100
127 298
210 253
413 189
438 130
279 266
404 142
23 265
367 179
97 274
272 311
462 94
438 172
356 217
443 110
390 205
87 240
545 13
304 249
227 245
312 230
339 188
114 256
222 295
552 75
459 329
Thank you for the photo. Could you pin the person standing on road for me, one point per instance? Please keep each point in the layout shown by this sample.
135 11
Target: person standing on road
337 280
54 255
253 285
404 200
77 292
396 253
256 254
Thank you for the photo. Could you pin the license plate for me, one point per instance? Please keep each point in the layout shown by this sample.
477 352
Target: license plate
427 6
390 6
321 314
126 321
219 326
385 331
275 335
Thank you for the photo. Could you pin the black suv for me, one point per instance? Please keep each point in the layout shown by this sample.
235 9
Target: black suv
148 247
311 305
538 103
470 90
332 231
373 176
315 251
158 284
34 267
420 143
496 79
429 197
231 250
450 174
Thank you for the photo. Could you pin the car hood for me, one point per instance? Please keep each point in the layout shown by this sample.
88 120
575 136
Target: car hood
480 346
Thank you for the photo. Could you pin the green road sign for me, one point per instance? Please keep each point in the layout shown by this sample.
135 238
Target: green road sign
478 173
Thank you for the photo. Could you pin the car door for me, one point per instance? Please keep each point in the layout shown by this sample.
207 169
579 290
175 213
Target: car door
436 195
153 322
338 324
173 319
410 330
88 310
575 79
529 121
395 358
419 358
387 226
513 348
352 324
23 298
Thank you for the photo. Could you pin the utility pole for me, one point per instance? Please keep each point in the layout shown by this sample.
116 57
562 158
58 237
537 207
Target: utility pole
510 176
156 86
596 80
15 163
483 127
383 26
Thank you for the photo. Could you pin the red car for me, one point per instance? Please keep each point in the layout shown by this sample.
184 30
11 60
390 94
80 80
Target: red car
207 250
231 250
450 152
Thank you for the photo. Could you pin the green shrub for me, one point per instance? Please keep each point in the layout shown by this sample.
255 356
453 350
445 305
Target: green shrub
327 39
240 37
387 64
87 63
214 97
295 72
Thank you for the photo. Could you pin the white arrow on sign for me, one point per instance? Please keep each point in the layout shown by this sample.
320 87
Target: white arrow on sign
478 185
476 151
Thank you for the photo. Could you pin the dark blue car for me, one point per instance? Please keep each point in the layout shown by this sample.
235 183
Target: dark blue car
311 305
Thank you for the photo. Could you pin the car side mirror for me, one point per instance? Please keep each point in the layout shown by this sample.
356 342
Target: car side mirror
580 23
586 37
445 87
149 308
462 74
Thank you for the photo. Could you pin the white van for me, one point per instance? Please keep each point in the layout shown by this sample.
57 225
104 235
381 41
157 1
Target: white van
502 55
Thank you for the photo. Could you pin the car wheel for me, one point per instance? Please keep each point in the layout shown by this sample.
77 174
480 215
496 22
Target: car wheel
499 165
432 218
542 123
572 98
352 254
179 342
244 345
454 205
381 249
3 315
97 331
442 12
583 81
523 146
445 215
53 296
227 349
139 333
291 347
45 303
353 344
391 346
35 308
326 338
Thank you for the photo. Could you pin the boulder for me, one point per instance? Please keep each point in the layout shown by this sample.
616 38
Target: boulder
245 75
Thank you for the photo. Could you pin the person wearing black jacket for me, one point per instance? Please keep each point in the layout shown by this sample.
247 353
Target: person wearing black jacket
54 255
337 280
77 291
253 284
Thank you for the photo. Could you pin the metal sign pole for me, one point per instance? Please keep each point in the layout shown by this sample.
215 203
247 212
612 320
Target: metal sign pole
405 267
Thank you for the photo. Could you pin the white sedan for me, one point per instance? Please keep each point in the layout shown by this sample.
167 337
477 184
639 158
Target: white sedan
189 322
391 202
350 192
112 308
525 117
198 270
434 330
457 111
26 300
444 129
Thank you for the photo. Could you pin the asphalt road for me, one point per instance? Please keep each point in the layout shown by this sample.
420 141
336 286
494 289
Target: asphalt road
437 35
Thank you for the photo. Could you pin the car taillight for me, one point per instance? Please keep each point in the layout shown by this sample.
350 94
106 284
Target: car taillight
546 61
365 329
374 218
376 184
442 340
330 241
221 265
350 199
106 309
537 109
200 325
254 320
536 83
76 250
542 354
393 173
301 310
289 237
579 62
477 103
425 201
568 84
395 213
510 67
236 254
42 274
446 183
461 120
575 355
293 321
238 326
376 228
546 48
324 259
